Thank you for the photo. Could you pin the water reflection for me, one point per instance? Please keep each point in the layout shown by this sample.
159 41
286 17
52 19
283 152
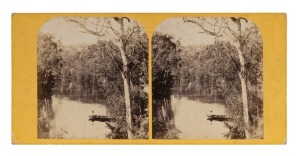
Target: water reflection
190 117
66 116
72 118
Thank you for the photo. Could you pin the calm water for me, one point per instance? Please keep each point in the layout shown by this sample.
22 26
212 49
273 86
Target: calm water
191 119
71 119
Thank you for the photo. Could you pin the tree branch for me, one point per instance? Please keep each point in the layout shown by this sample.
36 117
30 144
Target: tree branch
83 26
231 31
115 59
202 27
215 25
154 60
222 25
250 31
114 30
133 30
235 65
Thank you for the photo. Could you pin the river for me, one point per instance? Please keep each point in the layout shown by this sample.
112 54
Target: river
190 117
70 119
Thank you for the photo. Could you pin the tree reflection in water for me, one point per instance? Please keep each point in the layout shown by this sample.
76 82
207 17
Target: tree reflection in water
45 109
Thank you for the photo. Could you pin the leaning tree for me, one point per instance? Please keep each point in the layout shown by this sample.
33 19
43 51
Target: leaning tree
236 31
118 30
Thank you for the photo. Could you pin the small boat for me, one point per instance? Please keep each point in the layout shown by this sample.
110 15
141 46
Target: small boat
217 117
101 118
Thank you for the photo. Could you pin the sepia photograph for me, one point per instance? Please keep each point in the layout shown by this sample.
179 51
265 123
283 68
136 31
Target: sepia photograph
92 79
153 78
207 79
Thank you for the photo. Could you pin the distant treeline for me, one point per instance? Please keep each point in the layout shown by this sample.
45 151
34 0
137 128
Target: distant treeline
96 68
209 71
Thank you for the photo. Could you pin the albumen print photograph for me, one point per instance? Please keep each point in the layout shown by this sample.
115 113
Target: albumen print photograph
207 79
92 79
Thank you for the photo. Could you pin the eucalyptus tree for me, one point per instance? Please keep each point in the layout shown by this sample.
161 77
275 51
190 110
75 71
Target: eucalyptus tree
120 31
240 33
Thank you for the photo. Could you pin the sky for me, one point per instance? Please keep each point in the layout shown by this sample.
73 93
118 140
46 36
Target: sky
67 33
70 34
187 33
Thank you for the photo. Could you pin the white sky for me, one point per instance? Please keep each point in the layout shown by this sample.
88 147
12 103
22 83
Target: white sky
70 34
67 33
187 33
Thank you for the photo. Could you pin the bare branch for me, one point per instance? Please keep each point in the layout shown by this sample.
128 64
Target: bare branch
97 25
215 25
103 24
115 59
235 65
133 30
231 31
202 27
83 26
221 26
154 60
250 31
114 30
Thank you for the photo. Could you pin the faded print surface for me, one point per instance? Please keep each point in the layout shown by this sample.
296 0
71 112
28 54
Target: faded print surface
207 79
92 75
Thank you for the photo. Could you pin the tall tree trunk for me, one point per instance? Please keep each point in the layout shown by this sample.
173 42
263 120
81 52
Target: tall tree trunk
180 85
124 72
125 77
237 43
211 86
242 77
245 104
127 105
62 84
